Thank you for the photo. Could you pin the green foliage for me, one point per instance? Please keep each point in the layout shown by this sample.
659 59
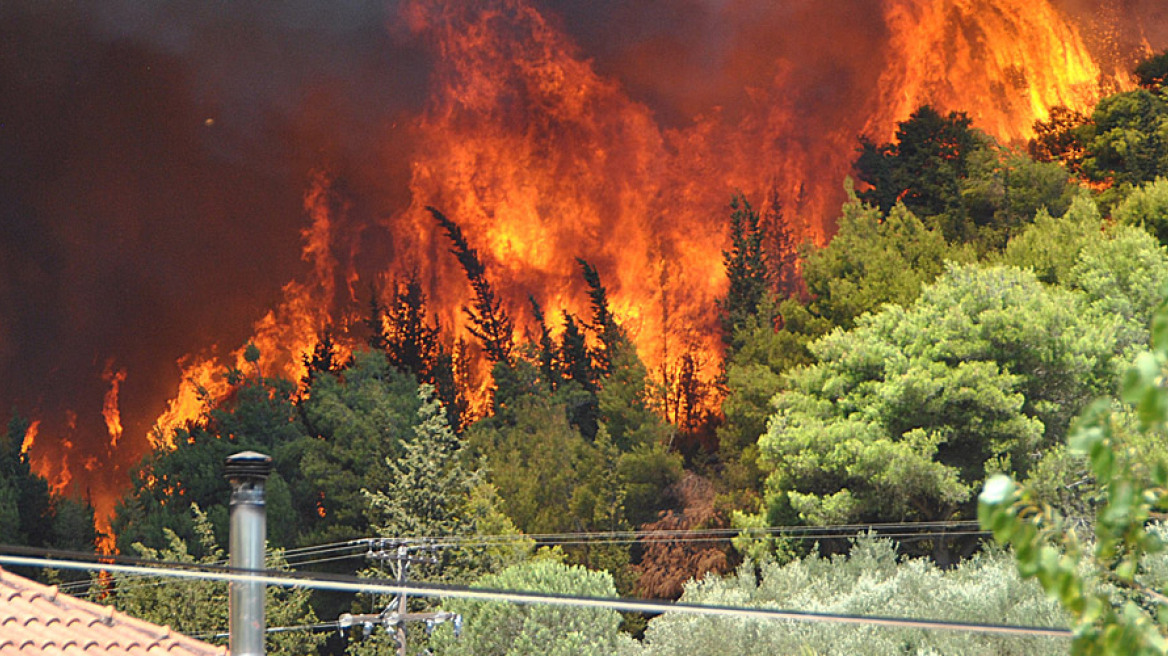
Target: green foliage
358 421
1112 582
426 485
869 581
1003 192
1152 73
508 629
1146 207
428 493
902 416
259 415
874 260
1127 142
747 269
1124 275
1051 246
922 168
197 606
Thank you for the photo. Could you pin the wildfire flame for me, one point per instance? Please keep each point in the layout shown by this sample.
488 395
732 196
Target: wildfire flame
30 436
1005 62
283 335
109 410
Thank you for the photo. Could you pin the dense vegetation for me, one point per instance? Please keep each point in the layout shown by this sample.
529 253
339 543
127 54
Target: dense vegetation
973 301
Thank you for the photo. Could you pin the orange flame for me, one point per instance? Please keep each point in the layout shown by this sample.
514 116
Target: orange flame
30 436
283 335
109 410
1005 62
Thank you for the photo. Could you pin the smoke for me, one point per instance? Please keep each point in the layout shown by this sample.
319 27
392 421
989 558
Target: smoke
154 158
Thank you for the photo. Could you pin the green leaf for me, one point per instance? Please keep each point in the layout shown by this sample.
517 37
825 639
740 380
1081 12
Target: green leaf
998 490
1160 333
1126 570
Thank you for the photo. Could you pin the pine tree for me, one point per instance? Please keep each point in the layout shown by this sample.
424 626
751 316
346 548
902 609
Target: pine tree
428 484
548 360
376 322
488 320
746 267
603 323
324 359
411 343
575 356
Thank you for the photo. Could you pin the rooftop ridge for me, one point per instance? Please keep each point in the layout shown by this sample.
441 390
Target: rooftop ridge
42 619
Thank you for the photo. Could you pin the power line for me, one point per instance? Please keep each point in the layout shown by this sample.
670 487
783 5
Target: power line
384 586
900 531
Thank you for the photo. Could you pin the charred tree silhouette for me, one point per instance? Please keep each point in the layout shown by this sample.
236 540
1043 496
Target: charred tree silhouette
324 359
781 250
746 267
403 332
602 320
376 321
488 320
411 343
547 347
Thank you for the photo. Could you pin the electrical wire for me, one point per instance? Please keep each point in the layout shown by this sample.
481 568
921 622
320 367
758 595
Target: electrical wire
387 586
903 532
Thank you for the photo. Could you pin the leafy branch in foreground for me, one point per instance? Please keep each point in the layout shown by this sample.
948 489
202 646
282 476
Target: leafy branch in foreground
1107 584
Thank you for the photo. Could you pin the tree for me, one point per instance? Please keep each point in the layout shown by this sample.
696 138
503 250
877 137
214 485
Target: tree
1152 73
429 493
902 416
411 343
1146 207
1127 141
870 580
324 359
603 322
1110 574
360 419
922 167
509 629
548 356
875 259
1003 192
1060 138
26 505
666 563
1051 246
746 268
488 319
403 332
258 414
198 606
30 513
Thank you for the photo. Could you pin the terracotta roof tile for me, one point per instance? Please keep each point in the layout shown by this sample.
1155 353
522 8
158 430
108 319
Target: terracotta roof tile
38 619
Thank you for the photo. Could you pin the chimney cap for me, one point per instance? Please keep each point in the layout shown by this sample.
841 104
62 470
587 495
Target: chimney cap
247 464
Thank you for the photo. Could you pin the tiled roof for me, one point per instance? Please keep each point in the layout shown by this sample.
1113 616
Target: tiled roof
37 619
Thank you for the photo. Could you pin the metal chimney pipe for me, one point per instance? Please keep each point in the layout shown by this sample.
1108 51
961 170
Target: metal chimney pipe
247 472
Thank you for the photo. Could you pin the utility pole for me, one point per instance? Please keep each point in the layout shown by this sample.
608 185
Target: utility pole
395 615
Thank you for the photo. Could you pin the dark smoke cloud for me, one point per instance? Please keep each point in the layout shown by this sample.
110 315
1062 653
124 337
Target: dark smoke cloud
687 57
153 157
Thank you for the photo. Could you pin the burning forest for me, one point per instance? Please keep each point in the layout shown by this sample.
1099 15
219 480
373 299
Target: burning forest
183 180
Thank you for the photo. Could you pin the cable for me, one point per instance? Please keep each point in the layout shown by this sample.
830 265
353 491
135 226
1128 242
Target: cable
900 531
386 586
